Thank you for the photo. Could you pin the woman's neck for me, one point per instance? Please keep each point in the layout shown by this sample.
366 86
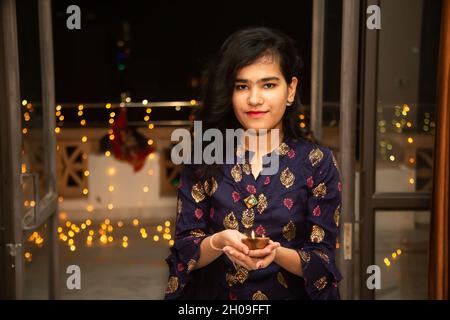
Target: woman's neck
265 142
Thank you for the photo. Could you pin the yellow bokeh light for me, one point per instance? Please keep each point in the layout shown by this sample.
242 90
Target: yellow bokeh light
83 226
70 242
144 235
399 252
124 244
61 118
107 153
86 173
120 224
111 188
58 107
108 105
145 189
193 102
135 222
142 230
110 206
24 102
91 232
392 158
60 229
145 102
103 239
387 262
171 243
159 228
125 238
68 224
151 156
167 223
411 180
150 142
89 208
71 233
85 191
128 100
107 221
394 255
80 113
155 238
167 230
111 171
57 130
83 122
410 140
88 222
80 107
110 239
111 137
24 130
148 110
73 248
112 114
84 139
110 228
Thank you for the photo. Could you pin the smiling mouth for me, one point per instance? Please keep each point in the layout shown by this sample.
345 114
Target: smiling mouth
256 114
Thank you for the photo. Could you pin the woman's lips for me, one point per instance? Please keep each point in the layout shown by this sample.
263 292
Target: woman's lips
256 114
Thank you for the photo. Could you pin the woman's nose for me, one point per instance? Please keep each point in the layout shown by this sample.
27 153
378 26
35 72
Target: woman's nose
255 98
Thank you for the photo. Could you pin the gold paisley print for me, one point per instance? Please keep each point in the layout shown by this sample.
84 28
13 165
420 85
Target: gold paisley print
197 192
317 234
289 231
282 280
246 168
236 173
320 191
304 256
230 222
337 215
248 217
287 178
197 233
283 149
190 265
172 285
241 274
258 295
262 203
315 156
210 189
321 283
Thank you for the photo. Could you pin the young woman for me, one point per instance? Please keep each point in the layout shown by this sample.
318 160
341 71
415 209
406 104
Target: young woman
253 84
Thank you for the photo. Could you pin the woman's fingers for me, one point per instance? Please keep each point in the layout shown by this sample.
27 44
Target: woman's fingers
259 253
240 258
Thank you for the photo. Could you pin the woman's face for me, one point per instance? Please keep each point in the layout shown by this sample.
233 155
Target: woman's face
261 94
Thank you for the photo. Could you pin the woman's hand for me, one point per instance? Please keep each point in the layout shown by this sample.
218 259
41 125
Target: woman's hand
231 238
266 255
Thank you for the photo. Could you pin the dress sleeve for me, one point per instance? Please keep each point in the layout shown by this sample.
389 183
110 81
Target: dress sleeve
190 229
317 255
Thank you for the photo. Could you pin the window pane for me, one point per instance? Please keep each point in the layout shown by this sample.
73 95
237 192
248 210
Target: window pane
401 251
408 53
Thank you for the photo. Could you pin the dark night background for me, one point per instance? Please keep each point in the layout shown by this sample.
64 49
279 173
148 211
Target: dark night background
166 46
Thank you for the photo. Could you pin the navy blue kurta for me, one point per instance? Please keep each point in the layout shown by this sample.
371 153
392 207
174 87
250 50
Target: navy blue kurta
298 207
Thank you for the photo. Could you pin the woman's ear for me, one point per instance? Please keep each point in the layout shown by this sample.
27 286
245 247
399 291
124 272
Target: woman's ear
292 87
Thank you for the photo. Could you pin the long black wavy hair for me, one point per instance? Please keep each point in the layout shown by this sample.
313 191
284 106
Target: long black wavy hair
240 49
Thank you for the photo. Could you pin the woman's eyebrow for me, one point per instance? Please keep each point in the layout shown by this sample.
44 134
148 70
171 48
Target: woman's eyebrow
260 80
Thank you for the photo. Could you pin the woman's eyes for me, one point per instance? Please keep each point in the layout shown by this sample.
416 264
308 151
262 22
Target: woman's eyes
266 86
